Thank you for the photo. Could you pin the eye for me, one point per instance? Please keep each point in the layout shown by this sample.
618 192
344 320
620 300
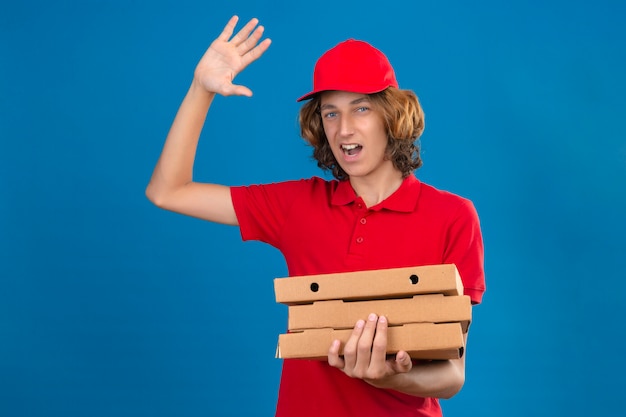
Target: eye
362 109
329 115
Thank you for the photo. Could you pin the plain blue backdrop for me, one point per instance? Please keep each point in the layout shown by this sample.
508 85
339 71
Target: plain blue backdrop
110 306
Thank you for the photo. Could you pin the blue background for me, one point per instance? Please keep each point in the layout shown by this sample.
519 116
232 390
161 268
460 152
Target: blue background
110 306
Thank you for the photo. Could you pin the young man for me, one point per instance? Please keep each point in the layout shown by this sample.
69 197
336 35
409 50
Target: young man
375 214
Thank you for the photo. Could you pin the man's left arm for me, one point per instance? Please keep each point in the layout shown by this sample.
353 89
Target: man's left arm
365 357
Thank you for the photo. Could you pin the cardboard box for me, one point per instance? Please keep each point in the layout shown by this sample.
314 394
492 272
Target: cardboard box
369 285
420 340
338 314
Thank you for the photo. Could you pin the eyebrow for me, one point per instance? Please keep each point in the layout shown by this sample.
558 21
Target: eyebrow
353 102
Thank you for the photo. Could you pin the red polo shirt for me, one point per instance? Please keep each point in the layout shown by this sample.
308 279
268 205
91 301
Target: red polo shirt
323 227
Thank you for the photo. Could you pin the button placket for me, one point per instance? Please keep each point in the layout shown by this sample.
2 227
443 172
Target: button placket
357 246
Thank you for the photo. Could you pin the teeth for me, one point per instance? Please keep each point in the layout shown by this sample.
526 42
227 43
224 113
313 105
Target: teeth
349 147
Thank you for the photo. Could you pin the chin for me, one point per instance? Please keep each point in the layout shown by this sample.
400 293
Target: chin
356 174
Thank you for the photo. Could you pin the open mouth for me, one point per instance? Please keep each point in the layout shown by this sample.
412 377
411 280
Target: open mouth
351 149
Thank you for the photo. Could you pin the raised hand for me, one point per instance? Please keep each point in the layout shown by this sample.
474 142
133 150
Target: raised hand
227 57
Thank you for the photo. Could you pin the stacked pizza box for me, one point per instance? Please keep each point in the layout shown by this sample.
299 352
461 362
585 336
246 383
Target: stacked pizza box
426 310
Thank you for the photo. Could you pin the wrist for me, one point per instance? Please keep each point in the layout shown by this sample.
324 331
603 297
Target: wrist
198 90
395 382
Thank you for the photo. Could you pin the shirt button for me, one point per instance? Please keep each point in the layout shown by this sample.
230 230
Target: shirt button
359 240
363 220
360 205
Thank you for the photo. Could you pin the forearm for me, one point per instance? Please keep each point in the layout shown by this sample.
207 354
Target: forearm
174 168
438 379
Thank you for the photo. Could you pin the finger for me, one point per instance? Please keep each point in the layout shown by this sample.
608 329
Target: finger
379 345
333 355
350 349
238 90
228 29
250 42
403 362
365 344
256 52
244 32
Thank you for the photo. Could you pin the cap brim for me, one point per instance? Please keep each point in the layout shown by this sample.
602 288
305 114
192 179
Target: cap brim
308 96
350 89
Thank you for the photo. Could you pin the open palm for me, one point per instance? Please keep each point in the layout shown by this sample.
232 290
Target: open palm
227 57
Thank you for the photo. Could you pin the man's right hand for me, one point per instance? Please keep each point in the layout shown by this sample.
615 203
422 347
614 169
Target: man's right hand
227 57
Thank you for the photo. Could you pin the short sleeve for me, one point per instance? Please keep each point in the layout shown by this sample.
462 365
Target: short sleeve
262 209
464 248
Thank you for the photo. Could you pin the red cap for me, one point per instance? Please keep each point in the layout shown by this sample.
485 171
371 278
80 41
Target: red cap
353 66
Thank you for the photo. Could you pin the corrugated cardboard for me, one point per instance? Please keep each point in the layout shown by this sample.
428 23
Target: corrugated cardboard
420 340
374 284
338 314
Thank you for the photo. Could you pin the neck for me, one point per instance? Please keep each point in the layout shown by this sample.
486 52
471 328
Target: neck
374 190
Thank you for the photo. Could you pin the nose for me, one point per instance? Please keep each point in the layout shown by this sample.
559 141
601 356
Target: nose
346 126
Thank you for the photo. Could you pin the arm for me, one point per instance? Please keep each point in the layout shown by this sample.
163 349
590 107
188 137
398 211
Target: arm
365 352
365 358
171 186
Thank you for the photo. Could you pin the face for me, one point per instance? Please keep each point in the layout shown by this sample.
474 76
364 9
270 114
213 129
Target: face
356 133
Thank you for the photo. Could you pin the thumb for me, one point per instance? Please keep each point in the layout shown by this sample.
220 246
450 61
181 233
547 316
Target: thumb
403 362
239 90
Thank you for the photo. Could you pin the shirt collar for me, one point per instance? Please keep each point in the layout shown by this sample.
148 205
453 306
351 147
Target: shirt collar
404 199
